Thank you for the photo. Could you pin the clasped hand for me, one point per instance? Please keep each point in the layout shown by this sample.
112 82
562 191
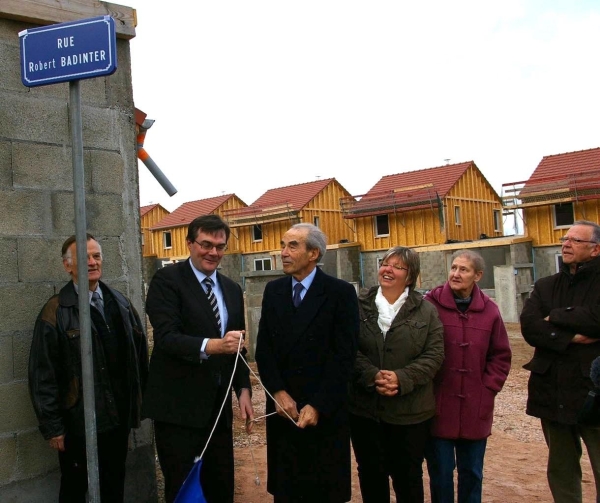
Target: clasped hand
386 383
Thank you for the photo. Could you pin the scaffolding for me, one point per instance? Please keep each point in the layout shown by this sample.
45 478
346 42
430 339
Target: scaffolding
573 187
416 197
261 214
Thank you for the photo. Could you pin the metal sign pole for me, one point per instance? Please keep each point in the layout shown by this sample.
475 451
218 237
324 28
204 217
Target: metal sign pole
87 364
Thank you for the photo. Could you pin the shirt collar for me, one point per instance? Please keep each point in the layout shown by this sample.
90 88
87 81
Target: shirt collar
98 289
201 276
306 282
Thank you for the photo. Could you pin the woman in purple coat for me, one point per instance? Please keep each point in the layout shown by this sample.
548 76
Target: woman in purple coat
476 364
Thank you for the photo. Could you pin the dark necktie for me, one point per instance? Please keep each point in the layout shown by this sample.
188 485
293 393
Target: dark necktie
97 303
297 291
208 283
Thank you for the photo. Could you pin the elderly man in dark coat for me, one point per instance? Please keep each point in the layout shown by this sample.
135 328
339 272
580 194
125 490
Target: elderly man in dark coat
561 320
306 345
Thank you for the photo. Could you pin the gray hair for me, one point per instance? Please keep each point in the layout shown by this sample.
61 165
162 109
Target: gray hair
472 256
595 229
315 238
410 259
66 247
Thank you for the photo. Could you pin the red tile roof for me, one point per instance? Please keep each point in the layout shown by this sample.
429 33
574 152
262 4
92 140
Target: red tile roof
441 178
571 171
406 191
190 210
146 209
562 165
295 196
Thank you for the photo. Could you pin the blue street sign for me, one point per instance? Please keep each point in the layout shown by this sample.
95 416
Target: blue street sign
68 51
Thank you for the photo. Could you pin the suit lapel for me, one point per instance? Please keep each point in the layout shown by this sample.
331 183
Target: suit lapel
298 320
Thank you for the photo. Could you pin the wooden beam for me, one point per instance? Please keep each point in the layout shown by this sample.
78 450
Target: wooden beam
414 187
45 12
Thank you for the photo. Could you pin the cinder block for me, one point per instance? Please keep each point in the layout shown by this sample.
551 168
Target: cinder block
104 214
21 304
45 167
93 91
26 210
106 169
21 343
5 161
8 458
100 128
112 263
37 490
41 120
6 359
10 76
20 415
118 89
35 455
9 32
40 260
8 261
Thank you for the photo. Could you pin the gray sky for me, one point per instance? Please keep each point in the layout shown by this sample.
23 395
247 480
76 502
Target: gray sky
249 96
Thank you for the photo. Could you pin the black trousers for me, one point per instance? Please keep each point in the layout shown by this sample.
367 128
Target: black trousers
112 454
385 450
177 446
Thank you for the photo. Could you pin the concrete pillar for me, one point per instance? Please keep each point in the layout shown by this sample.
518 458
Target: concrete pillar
37 208
506 292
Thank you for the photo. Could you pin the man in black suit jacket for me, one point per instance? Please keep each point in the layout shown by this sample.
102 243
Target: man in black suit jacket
195 346
306 344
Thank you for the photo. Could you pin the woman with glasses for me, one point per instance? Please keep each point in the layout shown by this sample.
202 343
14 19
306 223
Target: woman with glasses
401 348
476 364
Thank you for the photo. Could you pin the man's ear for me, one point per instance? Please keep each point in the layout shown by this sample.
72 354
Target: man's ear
314 254
68 267
596 250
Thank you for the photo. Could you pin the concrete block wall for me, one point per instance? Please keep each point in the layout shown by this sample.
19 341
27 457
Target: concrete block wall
37 208
434 271
544 259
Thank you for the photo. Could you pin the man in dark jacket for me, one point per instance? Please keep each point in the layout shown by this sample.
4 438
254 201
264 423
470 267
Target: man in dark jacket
561 320
306 344
197 315
55 377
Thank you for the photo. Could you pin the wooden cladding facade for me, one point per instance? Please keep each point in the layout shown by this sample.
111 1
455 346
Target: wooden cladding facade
147 221
541 225
176 235
323 210
471 208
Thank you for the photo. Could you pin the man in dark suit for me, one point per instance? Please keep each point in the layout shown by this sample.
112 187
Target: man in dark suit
307 339
197 315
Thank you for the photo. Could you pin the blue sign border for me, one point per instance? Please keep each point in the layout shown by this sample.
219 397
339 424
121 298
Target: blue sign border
32 38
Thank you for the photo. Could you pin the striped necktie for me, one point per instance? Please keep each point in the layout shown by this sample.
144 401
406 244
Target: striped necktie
212 299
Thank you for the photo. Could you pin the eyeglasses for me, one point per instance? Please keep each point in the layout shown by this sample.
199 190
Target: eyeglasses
395 266
564 239
207 246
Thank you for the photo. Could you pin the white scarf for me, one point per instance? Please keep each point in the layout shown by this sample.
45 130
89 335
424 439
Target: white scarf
387 311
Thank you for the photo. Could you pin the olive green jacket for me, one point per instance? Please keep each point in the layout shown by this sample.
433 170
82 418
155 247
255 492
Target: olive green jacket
413 349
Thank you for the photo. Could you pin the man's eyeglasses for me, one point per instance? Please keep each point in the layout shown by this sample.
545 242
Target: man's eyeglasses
564 239
395 266
207 246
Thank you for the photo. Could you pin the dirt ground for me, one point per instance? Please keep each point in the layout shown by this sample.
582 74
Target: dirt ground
515 462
